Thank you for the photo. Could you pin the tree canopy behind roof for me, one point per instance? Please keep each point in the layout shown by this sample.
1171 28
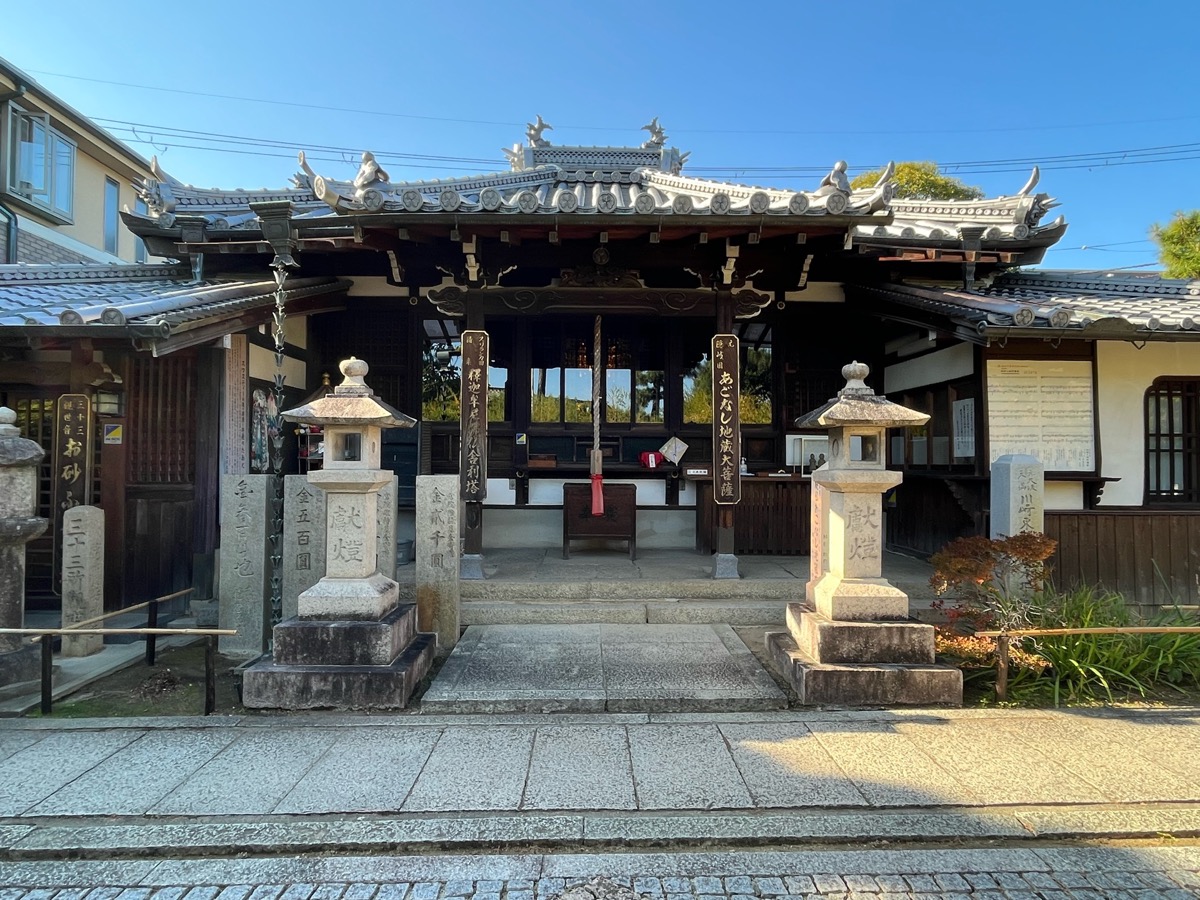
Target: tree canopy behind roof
1179 245
921 181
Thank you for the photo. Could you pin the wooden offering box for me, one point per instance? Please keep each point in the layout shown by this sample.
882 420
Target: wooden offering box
619 522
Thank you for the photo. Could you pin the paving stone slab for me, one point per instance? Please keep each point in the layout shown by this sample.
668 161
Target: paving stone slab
580 767
364 770
38 770
314 871
1000 767
888 768
685 767
474 769
142 774
251 775
785 765
75 873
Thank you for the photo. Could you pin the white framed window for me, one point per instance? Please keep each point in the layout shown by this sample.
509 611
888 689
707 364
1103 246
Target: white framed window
41 162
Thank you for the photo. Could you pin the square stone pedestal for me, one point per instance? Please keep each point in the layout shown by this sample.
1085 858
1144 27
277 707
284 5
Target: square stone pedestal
858 663
342 664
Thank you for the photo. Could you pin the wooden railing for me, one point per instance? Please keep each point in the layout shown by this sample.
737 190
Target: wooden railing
1003 637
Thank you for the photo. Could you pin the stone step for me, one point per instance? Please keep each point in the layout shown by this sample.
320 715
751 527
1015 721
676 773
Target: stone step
269 686
859 685
645 589
623 612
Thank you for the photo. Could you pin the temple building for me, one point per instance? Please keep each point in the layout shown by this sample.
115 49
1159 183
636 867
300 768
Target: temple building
608 283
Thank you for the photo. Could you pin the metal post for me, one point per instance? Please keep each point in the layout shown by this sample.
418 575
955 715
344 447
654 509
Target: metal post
151 639
47 673
210 675
1001 668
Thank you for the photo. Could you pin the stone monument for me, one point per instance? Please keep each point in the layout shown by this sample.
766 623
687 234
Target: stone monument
855 645
1018 487
437 575
244 586
82 576
352 645
19 459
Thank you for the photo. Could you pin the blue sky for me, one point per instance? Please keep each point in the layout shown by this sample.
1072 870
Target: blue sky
751 89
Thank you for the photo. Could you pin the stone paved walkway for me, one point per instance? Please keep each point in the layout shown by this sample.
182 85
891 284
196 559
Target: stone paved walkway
415 807
1169 873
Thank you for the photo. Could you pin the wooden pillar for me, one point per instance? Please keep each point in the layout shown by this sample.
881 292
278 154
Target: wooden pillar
471 567
725 560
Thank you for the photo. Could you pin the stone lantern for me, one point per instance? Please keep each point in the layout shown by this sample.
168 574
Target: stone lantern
353 645
352 420
853 643
19 460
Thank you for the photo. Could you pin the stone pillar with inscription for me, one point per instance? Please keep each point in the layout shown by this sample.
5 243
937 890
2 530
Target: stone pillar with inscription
855 644
244 587
352 645
1018 487
438 593
82 576
19 461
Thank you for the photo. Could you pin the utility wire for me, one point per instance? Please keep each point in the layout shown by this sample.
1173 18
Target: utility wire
1111 158
807 131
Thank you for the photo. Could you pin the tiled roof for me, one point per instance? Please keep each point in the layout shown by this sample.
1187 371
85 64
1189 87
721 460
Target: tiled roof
113 300
1070 304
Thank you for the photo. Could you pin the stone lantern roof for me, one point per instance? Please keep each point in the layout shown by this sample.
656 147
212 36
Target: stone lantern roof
857 404
350 403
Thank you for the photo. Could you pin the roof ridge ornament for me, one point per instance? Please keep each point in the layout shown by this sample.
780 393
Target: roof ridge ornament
658 136
533 131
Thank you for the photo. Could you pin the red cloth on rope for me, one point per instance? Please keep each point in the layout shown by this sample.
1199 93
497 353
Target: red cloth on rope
597 495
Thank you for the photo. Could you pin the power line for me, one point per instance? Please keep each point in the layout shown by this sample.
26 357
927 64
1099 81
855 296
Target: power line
807 131
1110 158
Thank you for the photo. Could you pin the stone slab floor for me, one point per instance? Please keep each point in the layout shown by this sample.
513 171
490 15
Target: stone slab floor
601 668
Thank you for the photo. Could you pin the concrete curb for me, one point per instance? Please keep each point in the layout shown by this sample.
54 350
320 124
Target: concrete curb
55 839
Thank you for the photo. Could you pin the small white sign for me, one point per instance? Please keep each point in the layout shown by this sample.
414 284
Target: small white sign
964 428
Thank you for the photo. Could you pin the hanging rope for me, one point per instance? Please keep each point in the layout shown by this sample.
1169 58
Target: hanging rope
597 455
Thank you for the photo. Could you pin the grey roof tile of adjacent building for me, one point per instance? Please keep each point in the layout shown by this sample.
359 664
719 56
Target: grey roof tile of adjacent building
149 301
1069 304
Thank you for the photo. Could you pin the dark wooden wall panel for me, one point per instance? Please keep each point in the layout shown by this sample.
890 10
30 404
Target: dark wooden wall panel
926 516
158 542
1151 557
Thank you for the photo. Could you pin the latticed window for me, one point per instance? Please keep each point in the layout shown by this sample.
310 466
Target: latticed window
1173 441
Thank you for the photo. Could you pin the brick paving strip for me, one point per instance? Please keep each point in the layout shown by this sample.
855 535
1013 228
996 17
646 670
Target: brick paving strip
1172 873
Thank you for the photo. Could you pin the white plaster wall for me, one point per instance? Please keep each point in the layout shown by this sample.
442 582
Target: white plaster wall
1063 495
549 491
1123 375
262 366
932 368
658 529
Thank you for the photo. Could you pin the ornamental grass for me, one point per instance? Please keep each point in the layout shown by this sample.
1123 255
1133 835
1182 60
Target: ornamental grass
1003 585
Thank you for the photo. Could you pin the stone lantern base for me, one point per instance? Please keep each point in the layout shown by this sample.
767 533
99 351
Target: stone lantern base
831 662
359 663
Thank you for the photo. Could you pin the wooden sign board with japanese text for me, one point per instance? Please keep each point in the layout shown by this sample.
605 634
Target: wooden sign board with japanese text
727 431
473 449
71 469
